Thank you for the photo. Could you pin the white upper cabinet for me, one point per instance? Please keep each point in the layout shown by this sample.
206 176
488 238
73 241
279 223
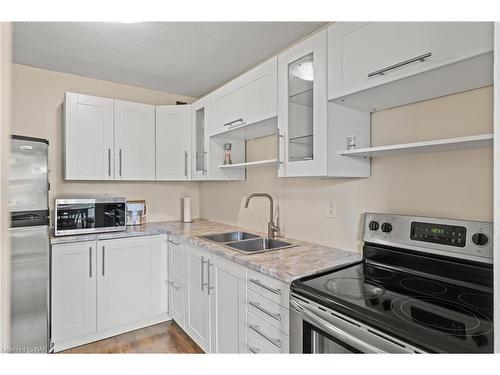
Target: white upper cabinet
88 137
200 138
392 56
173 142
134 141
311 130
248 99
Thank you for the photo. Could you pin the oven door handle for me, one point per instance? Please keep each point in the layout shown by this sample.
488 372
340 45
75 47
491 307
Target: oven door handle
332 330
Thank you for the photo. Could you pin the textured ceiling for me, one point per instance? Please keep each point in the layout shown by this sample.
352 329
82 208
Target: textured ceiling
189 58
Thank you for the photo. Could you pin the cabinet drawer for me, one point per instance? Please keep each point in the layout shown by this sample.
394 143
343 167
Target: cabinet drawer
269 311
255 346
268 334
177 264
275 290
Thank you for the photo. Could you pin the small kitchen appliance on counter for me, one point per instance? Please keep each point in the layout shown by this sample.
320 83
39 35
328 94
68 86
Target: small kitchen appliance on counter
424 285
136 212
89 215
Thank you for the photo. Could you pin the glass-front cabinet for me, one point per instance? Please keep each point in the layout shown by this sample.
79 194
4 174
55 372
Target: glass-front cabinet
302 108
199 139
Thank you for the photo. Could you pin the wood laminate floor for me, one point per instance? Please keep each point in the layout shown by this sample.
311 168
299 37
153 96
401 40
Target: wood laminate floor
165 337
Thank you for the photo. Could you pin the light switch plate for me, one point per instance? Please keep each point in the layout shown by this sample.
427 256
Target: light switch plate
331 209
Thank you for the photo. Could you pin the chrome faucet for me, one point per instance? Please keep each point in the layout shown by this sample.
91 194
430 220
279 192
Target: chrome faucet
272 228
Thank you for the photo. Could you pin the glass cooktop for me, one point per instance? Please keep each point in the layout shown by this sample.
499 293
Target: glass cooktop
438 315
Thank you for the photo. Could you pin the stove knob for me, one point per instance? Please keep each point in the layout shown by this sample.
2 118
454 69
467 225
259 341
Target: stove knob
480 239
386 227
373 225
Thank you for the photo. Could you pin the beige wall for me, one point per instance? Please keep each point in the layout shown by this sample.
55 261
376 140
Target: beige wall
5 122
37 112
456 184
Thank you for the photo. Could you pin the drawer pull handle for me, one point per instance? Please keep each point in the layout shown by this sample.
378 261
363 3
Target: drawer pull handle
175 286
174 243
400 64
258 283
276 342
254 350
231 123
257 305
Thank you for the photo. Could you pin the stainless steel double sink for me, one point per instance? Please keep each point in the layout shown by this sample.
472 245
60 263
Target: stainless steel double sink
247 243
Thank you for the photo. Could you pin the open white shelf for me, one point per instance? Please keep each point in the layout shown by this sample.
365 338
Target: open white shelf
250 164
438 145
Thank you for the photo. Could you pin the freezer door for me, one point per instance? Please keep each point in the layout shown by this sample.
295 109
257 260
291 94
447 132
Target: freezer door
29 289
28 175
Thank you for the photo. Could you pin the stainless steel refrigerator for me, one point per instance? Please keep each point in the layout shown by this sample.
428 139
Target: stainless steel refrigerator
29 236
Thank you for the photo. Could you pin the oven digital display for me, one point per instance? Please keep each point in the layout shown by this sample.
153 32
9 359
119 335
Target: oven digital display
450 235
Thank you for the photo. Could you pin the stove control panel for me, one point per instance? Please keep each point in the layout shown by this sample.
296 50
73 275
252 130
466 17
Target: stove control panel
471 240
450 235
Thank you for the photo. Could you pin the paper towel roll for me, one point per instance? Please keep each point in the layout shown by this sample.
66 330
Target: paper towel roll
187 210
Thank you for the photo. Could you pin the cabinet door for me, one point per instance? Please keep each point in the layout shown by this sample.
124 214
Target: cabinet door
134 141
173 142
200 139
227 283
247 99
302 108
88 137
177 281
129 280
198 314
364 55
73 289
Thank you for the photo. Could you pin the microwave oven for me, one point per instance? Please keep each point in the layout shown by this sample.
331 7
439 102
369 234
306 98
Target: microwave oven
94 215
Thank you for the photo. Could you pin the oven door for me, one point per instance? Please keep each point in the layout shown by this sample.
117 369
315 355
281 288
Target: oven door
316 329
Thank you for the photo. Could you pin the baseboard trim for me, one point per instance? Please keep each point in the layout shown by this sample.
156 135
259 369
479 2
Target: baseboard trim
110 332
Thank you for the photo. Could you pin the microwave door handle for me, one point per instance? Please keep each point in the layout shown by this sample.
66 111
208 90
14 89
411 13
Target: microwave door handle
332 330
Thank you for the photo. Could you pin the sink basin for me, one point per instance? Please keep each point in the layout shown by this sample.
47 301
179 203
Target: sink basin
229 237
259 245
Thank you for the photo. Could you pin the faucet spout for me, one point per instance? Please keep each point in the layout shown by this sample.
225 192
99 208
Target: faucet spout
272 228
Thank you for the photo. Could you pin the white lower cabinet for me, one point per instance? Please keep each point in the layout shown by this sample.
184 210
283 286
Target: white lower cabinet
103 288
129 286
177 281
73 290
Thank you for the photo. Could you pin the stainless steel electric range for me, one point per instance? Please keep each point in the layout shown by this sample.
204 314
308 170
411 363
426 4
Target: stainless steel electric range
425 285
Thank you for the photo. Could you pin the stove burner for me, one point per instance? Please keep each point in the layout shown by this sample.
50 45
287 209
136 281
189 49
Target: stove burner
351 287
479 301
441 316
377 273
423 286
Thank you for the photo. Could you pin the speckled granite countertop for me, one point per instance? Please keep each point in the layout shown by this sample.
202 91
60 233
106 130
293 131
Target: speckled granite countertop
287 265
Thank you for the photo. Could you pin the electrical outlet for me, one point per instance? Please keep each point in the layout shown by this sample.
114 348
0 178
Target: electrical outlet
331 209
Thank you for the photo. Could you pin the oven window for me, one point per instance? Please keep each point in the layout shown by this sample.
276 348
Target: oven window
317 341
90 215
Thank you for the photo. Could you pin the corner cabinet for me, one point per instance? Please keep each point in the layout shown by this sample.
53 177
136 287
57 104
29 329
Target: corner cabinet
173 143
88 137
311 130
103 288
134 141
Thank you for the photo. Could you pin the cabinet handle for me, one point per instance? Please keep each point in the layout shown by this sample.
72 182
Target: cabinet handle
203 261
400 64
90 261
185 163
109 162
208 276
103 258
257 305
175 286
174 243
120 157
254 350
276 342
231 123
258 283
